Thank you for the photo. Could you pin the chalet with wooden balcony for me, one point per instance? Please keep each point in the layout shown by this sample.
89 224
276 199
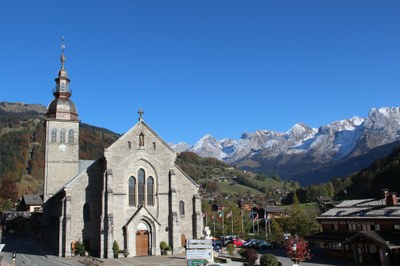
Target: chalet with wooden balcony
364 230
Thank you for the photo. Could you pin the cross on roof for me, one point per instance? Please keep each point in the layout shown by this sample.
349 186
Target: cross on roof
62 43
140 112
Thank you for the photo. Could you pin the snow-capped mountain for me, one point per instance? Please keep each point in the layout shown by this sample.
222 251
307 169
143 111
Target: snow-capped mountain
303 148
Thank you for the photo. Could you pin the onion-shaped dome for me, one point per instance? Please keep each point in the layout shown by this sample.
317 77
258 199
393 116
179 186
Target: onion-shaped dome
62 108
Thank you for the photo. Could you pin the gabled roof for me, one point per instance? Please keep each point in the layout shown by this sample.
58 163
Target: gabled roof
157 136
33 199
371 235
162 141
140 212
384 239
186 175
274 209
141 122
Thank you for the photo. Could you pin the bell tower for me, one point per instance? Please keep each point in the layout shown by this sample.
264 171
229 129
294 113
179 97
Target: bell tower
62 135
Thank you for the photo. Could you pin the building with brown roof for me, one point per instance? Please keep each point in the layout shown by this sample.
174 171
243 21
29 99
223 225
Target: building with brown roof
363 230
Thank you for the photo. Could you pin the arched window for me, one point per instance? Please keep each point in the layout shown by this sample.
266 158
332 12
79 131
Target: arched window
141 140
132 194
181 208
62 135
54 135
141 187
71 136
150 191
86 212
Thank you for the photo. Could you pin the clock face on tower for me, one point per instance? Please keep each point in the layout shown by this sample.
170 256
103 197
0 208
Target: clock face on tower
62 147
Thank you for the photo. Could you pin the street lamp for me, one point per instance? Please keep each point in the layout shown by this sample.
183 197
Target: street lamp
294 254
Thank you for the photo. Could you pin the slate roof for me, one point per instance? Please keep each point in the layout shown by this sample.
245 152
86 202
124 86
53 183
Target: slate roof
365 208
274 209
32 199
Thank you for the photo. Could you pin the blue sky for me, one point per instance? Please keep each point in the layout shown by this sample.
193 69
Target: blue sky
197 67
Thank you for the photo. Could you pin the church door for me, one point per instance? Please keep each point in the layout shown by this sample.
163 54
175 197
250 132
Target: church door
142 243
183 240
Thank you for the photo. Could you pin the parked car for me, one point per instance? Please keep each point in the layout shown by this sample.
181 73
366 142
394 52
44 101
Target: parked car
277 245
263 244
217 245
250 243
228 239
257 244
238 242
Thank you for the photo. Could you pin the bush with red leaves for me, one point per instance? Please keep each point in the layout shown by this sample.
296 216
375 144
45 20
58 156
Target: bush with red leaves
301 252
250 256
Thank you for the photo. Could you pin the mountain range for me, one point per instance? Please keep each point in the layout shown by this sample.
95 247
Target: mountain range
309 155
305 154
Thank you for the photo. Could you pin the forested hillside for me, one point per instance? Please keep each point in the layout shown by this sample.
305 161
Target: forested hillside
384 173
368 183
22 137
220 180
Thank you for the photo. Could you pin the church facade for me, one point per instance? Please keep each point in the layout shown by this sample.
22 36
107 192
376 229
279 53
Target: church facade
135 194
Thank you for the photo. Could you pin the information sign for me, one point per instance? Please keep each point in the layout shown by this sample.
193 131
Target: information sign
199 246
199 241
197 262
198 254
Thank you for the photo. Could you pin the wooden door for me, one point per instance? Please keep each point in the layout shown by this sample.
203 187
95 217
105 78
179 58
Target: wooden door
142 243
183 240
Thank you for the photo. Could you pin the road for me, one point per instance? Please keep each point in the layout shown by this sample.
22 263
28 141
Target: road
27 252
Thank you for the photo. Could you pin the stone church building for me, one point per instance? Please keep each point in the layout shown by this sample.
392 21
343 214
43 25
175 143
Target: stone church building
135 194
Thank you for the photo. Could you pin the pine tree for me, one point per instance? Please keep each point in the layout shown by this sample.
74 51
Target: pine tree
276 232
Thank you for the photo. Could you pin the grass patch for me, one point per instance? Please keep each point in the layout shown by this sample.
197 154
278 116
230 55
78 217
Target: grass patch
226 187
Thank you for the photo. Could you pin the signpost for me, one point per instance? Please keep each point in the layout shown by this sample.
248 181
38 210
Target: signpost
198 251
198 246
14 255
198 254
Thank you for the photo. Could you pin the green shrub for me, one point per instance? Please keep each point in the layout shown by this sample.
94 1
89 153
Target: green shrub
230 248
115 248
268 260
80 248
126 253
163 245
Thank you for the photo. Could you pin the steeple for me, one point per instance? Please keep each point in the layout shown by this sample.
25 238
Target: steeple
62 108
62 135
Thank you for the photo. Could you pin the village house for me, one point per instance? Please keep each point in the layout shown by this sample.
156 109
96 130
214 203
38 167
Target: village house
362 230
30 203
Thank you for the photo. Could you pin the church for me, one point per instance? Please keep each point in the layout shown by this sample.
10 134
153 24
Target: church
134 195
